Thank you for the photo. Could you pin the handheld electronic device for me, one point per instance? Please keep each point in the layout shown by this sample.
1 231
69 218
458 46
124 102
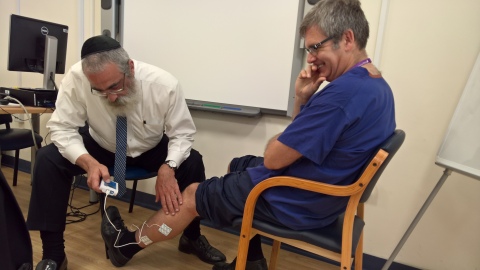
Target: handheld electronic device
110 188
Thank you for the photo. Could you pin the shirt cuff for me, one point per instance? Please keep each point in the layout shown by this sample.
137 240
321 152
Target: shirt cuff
74 151
177 157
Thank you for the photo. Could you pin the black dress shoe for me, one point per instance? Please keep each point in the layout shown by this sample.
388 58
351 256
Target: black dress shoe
48 264
110 234
25 266
202 249
251 265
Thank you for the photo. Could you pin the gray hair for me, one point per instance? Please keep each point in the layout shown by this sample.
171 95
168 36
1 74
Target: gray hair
334 17
95 63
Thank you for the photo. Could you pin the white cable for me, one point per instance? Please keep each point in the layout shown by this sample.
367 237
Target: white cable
119 230
30 119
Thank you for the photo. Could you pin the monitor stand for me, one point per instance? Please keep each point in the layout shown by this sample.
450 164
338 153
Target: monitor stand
50 62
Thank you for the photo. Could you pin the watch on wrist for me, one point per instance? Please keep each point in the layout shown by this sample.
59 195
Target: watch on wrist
172 164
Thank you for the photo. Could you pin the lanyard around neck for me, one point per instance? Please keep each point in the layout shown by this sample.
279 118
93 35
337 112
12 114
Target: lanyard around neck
361 63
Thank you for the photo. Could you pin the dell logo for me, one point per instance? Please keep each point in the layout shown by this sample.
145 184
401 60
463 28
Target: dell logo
44 30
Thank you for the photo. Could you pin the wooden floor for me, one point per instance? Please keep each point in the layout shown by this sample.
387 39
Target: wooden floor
85 248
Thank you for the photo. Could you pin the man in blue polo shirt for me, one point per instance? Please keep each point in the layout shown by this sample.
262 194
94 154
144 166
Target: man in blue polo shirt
333 133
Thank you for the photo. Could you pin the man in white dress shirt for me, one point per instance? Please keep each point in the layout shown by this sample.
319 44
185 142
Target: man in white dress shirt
105 84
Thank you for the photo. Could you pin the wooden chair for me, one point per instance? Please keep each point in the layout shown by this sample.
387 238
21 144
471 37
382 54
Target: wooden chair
341 241
16 139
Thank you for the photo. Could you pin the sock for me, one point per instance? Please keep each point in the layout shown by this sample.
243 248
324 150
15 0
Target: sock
255 252
192 231
53 246
129 250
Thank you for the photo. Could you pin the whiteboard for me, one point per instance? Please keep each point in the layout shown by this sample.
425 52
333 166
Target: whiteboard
243 53
460 150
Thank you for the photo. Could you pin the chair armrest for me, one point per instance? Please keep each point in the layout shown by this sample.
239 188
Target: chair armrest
319 187
313 186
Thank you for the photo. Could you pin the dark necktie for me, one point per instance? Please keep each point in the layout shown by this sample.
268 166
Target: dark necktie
121 155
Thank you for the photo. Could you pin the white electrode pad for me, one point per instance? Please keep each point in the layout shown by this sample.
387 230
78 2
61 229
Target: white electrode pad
164 229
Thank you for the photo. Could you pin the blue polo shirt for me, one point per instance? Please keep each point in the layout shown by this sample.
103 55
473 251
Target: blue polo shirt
336 132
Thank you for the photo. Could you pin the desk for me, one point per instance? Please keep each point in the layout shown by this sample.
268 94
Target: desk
35 114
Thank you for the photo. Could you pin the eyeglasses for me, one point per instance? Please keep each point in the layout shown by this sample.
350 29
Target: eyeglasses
313 50
104 93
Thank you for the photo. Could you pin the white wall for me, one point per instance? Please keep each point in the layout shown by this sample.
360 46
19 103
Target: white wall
429 49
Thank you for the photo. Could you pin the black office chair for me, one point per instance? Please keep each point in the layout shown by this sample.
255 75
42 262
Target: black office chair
134 173
16 139
340 241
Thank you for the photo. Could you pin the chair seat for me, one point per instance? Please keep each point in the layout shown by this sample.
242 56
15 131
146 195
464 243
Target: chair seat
134 173
16 139
329 237
13 139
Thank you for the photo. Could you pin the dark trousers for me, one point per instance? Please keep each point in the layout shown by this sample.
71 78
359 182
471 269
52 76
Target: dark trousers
53 176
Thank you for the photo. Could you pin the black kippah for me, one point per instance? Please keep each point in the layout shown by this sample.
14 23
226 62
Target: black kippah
98 44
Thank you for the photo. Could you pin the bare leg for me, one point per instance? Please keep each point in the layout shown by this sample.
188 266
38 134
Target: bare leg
177 223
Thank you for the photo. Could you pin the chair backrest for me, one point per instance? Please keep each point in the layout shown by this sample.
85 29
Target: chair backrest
6 119
391 146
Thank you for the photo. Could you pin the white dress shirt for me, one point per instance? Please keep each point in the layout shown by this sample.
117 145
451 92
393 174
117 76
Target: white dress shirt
162 109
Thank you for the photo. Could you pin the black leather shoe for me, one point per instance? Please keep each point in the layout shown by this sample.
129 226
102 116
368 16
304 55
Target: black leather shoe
110 233
48 264
251 265
202 249
25 266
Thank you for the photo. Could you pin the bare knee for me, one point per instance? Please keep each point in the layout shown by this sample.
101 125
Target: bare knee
189 198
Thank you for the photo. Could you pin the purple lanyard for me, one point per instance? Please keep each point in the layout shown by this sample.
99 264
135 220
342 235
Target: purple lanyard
361 63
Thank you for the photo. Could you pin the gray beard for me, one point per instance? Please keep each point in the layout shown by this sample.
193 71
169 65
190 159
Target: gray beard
123 105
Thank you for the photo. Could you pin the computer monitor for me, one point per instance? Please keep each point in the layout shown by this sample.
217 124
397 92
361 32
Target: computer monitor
37 46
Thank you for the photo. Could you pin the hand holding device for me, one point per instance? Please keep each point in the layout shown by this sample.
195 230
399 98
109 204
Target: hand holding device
110 188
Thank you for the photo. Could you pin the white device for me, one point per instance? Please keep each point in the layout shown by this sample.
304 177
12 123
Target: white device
110 188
